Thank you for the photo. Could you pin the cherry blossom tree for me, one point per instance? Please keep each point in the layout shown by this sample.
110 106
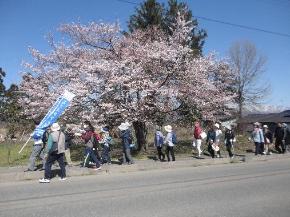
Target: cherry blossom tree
134 77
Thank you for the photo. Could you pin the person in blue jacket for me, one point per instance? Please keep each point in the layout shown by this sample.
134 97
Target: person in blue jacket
158 143
126 137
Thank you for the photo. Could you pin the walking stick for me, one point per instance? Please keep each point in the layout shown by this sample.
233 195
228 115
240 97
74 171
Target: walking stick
22 136
24 145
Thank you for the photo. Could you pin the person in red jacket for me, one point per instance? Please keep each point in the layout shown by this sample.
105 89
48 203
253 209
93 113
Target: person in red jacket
91 139
197 137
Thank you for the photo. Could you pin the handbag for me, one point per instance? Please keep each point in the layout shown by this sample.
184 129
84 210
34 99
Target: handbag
203 135
54 147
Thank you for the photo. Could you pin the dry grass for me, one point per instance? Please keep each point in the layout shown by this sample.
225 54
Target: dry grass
9 150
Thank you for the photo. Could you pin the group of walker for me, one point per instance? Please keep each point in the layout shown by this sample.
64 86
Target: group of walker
263 139
212 137
55 145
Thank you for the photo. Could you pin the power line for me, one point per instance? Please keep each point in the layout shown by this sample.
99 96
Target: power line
226 23
244 26
129 2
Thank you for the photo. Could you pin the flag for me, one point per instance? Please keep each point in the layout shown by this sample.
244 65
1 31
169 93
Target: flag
53 114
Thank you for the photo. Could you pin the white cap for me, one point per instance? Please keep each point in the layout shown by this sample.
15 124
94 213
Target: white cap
55 127
168 128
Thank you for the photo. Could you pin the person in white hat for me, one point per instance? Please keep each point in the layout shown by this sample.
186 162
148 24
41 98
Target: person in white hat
170 141
258 138
268 137
218 134
55 149
127 138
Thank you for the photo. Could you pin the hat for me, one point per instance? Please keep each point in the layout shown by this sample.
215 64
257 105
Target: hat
123 126
284 125
215 147
168 128
55 127
265 126
105 129
257 124
228 127
217 125
127 123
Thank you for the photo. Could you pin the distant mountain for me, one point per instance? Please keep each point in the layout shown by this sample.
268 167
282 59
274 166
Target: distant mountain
265 109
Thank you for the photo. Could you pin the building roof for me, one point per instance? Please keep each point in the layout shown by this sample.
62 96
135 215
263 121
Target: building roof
283 117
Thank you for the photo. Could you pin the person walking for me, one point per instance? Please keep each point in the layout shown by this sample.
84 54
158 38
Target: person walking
55 152
170 142
268 138
38 150
90 139
218 134
211 139
279 136
126 136
69 136
286 137
197 137
106 141
158 143
229 140
258 138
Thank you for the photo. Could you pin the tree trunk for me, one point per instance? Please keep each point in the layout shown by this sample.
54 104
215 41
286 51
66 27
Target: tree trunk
140 132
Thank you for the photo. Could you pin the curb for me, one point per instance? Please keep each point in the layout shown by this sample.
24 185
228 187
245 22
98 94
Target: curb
16 173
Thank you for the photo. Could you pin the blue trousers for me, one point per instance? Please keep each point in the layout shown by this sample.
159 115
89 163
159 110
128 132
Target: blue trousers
90 154
106 155
54 156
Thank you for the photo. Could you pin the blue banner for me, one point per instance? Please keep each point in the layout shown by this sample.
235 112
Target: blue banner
53 114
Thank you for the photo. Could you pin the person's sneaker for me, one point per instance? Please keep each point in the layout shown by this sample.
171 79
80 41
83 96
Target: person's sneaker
63 179
43 180
98 168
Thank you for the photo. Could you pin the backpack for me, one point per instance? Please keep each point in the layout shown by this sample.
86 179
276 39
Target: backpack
45 138
95 138
130 138
160 140
174 139
110 140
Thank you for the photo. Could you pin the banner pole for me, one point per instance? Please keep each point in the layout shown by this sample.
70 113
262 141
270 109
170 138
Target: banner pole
24 145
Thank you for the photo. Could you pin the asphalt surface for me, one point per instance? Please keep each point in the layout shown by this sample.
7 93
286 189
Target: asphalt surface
254 189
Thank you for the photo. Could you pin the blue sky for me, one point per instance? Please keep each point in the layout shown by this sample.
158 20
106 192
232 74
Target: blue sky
25 23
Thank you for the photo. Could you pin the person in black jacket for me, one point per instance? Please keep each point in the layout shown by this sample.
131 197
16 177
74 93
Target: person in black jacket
211 139
69 136
286 137
279 136
268 138
229 140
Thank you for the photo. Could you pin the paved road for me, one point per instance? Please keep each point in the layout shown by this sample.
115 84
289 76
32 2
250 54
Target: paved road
255 189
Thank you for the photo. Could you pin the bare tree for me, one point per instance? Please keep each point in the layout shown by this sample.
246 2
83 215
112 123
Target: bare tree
249 67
